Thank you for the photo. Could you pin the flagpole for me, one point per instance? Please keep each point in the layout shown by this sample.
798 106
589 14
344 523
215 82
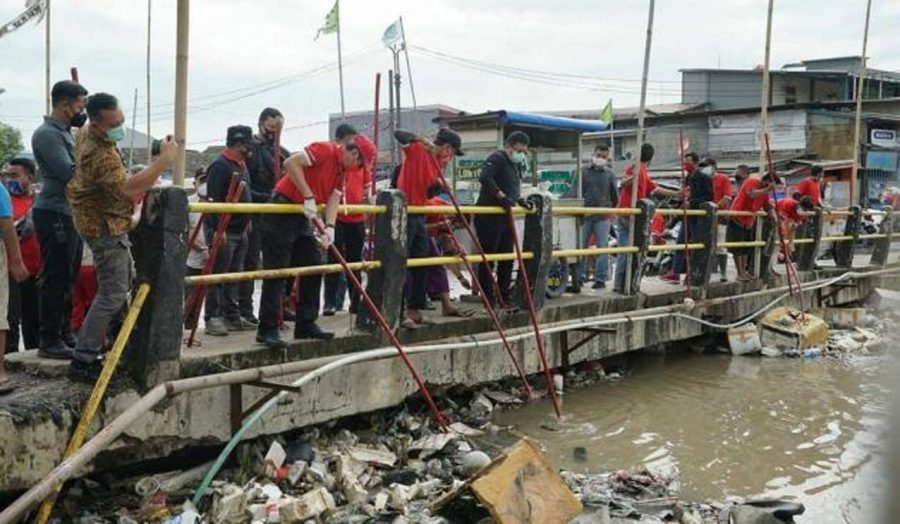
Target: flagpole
181 86
764 96
47 55
133 131
612 134
636 168
408 69
337 5
857 128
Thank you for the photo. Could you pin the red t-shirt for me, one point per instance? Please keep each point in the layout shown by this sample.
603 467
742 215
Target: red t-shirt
743 202
721 187
418 172
789 209
810 187
644 184
322 176
31 250
435 219
355 180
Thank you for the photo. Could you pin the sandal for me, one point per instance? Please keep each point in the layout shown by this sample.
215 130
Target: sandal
457 313
6 385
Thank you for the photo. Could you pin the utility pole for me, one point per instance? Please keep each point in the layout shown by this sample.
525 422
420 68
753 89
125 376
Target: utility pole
149 136
47 56
412 88
392 121
181 78
857 130
397 84
636 167
764 96
133 132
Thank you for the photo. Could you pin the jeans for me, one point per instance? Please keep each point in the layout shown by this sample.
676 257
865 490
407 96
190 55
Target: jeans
679 259
348 239
112 261
23 311
222 299
61 249
251 263
288 241
622 258
417 246
495 237
599 226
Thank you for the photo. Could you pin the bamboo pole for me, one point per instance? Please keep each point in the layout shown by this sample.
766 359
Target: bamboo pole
636 170
48 105
149 136
859 93
181 80
764 96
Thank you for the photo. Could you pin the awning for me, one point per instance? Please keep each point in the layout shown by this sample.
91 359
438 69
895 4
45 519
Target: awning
550 122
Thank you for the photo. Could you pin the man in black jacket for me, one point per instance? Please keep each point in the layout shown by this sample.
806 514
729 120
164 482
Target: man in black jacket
261 168
700 186
222 312
500 186
598 188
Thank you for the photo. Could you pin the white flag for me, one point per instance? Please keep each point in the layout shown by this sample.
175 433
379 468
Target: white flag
393 34
34 10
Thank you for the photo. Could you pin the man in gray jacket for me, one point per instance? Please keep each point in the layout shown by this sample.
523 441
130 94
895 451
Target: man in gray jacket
598 188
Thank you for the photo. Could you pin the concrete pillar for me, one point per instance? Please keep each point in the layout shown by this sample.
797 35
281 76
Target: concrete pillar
805 254
159 250
845 249
768 253
537 239
705 231
385 286
641 241
883 245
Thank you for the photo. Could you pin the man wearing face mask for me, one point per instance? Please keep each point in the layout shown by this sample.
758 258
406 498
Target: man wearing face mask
222 311
700 190
61 246
102 197
500 186
598 187
261 167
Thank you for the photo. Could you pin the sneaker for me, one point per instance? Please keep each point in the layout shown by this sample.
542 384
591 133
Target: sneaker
88 372
69 339
216 327
58 351
250 319
312 330
328 311
599 284
270 339
238 324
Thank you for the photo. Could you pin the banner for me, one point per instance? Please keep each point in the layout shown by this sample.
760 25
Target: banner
332 20
34 10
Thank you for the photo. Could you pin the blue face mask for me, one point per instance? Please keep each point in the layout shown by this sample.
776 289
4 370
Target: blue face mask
116 134
14 187
519 157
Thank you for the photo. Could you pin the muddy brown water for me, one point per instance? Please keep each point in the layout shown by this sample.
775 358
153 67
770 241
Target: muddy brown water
808 430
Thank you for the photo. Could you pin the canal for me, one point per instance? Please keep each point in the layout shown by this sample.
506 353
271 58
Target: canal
800 429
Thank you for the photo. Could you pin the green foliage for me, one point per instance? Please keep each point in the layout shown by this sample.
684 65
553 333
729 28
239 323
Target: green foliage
10 142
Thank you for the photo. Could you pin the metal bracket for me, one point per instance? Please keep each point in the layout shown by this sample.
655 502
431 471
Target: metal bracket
593 332
238 414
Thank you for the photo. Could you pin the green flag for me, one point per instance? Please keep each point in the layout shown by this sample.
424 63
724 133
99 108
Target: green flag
332 21
606 115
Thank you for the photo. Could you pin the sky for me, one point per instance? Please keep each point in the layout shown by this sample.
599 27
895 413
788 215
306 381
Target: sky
468 54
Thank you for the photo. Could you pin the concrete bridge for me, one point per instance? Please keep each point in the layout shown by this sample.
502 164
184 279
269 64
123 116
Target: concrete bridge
200 396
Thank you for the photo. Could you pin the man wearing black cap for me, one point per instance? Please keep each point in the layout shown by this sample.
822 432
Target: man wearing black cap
423 161
222 311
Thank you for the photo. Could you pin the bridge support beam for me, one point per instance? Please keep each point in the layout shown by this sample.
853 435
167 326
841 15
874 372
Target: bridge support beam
159 249
883 245
641 241
845 249
767 253
537 239
806 254
385 286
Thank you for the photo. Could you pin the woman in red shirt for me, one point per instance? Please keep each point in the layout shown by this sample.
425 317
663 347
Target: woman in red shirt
23 296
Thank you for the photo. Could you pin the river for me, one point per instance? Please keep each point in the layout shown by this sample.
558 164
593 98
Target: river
807 430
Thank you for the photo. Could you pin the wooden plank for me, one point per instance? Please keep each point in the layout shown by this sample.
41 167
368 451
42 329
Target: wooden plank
523 487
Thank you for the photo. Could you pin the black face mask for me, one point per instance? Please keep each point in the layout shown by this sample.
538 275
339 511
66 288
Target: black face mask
79 120
269 136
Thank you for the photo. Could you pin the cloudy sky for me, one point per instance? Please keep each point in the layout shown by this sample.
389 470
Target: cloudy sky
245 55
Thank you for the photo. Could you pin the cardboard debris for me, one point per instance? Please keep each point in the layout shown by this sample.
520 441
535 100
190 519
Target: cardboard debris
379 457
431 444
502 397
523 487
308 506
274 458
782 328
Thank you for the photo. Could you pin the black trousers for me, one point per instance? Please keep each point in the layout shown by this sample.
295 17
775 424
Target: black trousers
417 247
222 299
23 312
61 250
288 241
495 237
251 263
348 238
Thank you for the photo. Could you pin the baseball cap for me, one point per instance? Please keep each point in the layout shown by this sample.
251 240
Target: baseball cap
446 136
239 135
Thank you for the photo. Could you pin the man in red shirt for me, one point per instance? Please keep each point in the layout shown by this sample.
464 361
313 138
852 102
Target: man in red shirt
423 161
350 230
645 187
313 176
723 192
811 186
752 196
18 178
790 214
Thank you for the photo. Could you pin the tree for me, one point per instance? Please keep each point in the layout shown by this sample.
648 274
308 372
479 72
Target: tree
10 142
